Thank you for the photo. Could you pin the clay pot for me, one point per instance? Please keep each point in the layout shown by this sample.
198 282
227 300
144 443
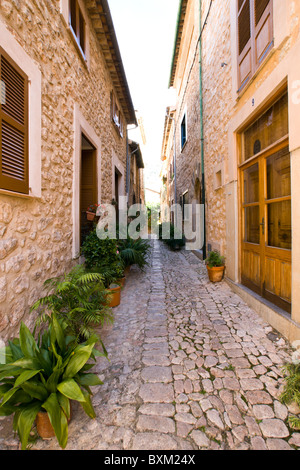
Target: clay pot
115 296
215 273
122 281
44 426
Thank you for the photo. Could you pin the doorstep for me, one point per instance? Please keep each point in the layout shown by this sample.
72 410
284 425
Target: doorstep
275 316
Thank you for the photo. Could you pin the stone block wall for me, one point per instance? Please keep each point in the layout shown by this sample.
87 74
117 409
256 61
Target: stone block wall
217 105
36 233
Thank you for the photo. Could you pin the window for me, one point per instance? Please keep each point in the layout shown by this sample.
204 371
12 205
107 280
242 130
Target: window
183 131
185 208
116 115
77 25
13 127
255 36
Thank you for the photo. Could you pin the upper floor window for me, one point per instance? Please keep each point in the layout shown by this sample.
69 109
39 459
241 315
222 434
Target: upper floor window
255 36
116 115
77 25
13 127
183 131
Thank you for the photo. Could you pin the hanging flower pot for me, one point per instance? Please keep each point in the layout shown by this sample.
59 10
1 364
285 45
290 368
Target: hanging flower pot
114 295
90 215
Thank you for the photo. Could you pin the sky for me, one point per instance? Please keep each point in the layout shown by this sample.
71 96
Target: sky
145 30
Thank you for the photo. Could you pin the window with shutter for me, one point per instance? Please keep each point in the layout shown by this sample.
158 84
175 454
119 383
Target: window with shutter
255 36
13 127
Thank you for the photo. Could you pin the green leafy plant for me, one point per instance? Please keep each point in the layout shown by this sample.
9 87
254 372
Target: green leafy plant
79 298
134 252
171 236
44 374
103 257
291 391
214 259
100 252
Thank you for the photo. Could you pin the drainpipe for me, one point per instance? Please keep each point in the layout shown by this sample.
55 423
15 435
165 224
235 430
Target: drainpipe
202 134
174 167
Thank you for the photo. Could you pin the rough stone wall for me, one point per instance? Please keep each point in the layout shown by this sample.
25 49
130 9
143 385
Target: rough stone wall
217 105
36 234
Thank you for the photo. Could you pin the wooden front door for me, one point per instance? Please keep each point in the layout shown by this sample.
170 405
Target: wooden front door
266 221
266 246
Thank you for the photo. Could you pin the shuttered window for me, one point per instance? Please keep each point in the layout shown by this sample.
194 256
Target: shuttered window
13 127
255 36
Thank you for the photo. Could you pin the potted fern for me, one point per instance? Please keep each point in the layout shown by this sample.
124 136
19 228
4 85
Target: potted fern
42 376
215 264
79 299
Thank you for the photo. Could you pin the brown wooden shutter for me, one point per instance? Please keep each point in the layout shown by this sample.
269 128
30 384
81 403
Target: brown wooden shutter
13 127
244 42
255 36
263 27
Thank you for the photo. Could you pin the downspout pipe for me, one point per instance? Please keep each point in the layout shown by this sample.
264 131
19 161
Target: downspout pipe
203 201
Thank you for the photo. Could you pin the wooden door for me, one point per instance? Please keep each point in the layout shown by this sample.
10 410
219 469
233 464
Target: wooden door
88 186
266 225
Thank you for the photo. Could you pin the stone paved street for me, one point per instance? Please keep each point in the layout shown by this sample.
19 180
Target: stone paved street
191 367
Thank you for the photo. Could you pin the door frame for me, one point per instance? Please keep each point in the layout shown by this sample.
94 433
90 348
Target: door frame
82 126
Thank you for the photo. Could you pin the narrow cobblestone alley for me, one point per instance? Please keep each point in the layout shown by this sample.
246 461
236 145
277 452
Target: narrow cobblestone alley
190 367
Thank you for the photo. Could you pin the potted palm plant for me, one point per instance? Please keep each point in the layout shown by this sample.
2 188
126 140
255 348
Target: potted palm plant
215 264
41 377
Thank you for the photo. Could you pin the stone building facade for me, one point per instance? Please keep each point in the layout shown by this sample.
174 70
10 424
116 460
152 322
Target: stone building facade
181 169
249 102
136 190
77 107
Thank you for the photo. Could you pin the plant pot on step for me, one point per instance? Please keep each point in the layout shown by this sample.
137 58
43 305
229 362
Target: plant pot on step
44 426
122 281
215 273
114 292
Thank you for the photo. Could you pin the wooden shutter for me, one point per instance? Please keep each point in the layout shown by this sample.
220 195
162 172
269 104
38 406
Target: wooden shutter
13 127
255 36
263 29
244 42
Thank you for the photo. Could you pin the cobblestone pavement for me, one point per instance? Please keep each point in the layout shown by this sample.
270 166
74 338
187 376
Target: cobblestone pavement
190 367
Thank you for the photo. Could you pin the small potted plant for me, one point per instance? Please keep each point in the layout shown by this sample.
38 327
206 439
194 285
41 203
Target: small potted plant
215 264
103 257
91 211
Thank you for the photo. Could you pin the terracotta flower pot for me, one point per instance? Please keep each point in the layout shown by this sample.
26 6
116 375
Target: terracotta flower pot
122 281
44 426
215 273
90 215
115 296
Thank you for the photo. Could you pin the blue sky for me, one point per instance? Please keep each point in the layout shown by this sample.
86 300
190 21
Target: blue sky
145 31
